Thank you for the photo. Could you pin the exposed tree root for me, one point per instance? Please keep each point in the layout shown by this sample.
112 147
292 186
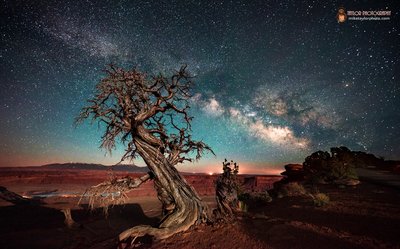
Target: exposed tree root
187 210
176 222
180 220
169 227
140 231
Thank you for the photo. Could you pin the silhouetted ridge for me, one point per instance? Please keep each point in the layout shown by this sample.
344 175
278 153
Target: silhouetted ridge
93 166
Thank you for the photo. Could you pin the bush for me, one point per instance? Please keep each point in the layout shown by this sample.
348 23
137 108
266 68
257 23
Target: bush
321 167
264 197
340 170
261 198
292 189
320 199
254 197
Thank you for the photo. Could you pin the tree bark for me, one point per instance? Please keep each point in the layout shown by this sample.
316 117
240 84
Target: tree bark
182 205
226 197
12 197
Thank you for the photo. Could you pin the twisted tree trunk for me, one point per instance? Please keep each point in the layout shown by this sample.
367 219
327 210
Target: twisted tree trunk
182 205
226 192
226 198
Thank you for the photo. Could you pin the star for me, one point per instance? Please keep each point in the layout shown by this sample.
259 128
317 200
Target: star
273 81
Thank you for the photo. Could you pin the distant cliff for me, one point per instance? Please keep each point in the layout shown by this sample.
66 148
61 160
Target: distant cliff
92 166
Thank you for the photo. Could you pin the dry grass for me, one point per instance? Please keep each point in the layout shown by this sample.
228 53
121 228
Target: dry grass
108 193
292 189
320 199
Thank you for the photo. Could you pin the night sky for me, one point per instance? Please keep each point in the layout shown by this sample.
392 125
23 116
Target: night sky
275 81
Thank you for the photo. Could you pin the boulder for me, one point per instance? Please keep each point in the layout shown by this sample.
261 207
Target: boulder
294 172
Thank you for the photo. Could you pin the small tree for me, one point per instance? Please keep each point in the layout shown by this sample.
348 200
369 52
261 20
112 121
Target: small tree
226 191
149 114
316 165
322 166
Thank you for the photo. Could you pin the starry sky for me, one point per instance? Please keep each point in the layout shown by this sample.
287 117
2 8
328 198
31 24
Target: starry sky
275 80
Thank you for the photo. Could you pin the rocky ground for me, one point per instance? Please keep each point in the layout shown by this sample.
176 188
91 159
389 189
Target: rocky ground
363 216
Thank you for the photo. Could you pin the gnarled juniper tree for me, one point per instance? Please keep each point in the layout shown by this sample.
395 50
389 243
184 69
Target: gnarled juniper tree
149 114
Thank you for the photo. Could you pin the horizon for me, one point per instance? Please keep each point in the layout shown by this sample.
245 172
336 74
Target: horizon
207 169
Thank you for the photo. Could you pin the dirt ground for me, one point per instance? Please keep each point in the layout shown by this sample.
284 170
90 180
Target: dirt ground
366 216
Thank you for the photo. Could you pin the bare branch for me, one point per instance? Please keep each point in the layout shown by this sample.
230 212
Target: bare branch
113 192
132 105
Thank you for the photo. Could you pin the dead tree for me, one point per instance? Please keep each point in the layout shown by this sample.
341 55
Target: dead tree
149 114
14 198
226 191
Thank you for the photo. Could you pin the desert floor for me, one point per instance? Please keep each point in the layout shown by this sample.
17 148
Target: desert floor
365 216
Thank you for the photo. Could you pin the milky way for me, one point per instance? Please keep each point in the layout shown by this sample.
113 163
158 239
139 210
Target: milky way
275 81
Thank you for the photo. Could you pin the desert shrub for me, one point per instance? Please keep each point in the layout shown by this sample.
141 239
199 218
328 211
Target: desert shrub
248 200
264 197
260 197
341 170
292 189
320 199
